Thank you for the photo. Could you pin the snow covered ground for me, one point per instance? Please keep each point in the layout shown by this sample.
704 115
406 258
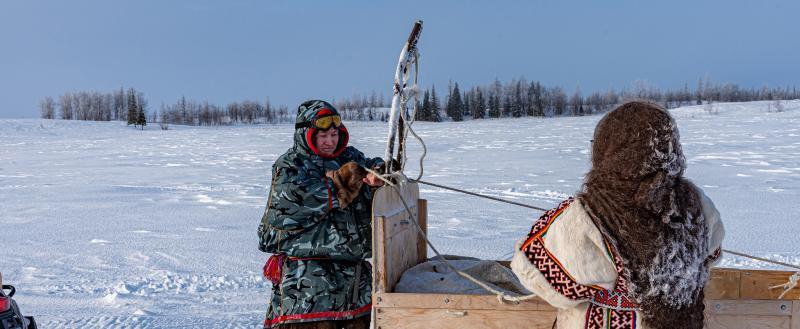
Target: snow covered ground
107 226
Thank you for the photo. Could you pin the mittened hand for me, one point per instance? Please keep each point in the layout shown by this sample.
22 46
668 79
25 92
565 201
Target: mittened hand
382 167
348 180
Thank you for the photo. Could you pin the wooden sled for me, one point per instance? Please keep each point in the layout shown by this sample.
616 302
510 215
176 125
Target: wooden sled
734 298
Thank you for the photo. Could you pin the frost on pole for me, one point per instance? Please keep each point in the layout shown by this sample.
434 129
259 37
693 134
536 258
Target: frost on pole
408 56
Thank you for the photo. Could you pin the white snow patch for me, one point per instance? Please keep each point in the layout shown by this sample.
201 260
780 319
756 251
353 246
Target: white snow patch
68 181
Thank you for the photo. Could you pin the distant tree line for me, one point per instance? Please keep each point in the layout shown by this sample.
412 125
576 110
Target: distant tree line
193 113
94 106
363 108
516 98
131 106
519 98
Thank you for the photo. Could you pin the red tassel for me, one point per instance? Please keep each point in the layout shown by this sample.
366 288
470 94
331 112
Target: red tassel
273 268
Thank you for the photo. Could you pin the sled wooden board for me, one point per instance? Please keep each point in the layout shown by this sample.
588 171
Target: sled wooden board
735 299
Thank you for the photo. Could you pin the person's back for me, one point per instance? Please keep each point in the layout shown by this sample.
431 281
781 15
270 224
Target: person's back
634 249
318 230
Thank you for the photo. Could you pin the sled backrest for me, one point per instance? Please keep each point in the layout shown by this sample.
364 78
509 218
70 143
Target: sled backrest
396 242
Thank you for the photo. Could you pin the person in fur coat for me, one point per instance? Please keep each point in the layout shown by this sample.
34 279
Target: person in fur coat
635 247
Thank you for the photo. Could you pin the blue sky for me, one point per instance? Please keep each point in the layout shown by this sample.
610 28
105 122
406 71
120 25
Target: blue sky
224 51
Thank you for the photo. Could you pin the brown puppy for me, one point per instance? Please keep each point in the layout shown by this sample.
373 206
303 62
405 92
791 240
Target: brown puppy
348 181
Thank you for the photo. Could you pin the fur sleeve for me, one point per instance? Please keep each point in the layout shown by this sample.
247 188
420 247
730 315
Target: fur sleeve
573 248
716 231
534 280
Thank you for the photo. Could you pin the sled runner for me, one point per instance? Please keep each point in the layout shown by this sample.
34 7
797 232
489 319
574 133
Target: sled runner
734 298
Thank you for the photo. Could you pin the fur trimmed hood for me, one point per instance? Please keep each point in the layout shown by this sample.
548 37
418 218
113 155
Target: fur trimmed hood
304 137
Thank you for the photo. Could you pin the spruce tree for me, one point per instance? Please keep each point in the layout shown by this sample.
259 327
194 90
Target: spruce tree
516 108
424 112
435 117
494 108
516 103
507 106
454 104
480 106
142 118
132 107
467 109
538 100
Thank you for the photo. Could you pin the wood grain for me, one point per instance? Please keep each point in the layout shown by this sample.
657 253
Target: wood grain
748 322
756 283
443 301
396 239
723 284
749 307
414 318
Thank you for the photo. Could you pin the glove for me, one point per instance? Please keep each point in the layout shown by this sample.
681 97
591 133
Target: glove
348 180
381 168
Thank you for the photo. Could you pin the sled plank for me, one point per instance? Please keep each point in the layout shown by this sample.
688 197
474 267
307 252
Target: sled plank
397 254
755 285
395 237
452 301
400 254
413 318
748 322
723 284
379 252
749 307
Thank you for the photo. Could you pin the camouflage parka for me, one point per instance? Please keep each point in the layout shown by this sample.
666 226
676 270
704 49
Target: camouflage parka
325 275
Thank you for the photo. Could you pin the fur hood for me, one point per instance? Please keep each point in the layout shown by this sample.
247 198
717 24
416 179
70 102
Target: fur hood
637 196
304 137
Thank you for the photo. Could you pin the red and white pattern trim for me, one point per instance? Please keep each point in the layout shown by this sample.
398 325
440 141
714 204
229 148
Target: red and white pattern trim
608 308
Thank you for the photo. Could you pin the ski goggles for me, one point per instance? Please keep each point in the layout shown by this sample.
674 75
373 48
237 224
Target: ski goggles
323 122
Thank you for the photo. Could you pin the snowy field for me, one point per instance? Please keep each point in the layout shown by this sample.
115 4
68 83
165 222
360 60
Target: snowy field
107 226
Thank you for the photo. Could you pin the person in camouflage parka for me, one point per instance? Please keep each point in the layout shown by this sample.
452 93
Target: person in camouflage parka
323 272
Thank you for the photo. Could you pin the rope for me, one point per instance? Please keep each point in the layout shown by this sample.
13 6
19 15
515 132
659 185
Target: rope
479 195
788 286
761 259
407 126
501 296
766 260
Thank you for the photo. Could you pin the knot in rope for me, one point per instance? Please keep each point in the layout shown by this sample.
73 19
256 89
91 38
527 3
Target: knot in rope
788 286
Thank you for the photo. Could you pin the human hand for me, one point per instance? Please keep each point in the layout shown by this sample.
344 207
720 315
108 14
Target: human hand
372 180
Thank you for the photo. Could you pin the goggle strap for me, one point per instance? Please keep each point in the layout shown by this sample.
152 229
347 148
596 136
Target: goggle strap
301 125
